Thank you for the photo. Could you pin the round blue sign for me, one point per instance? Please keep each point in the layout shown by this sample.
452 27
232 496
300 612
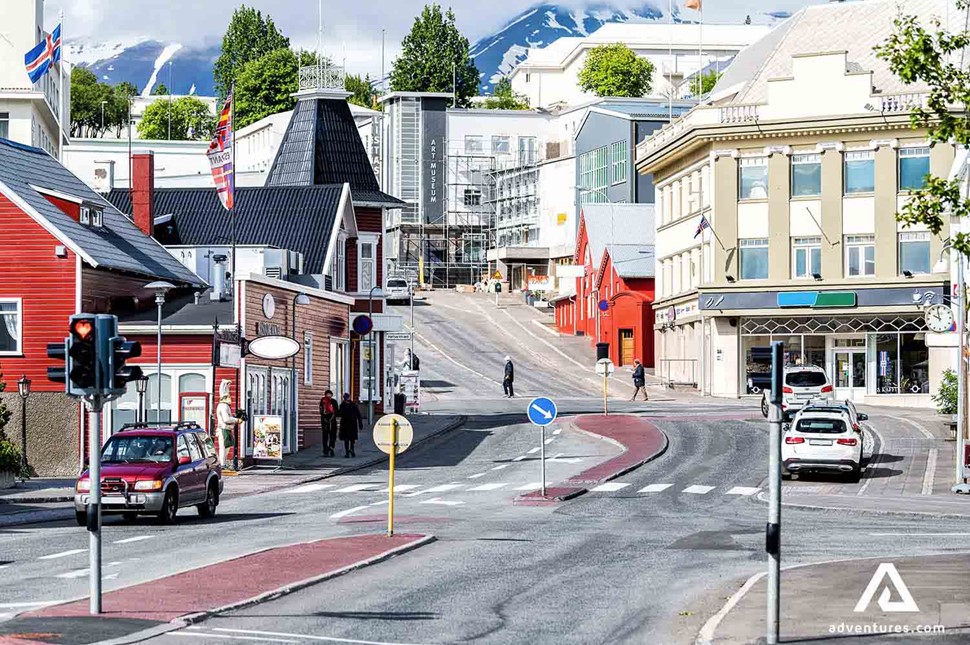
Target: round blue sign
542 411
604 305
363 325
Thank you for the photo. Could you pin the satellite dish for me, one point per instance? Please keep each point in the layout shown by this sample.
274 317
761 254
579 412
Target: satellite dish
273 347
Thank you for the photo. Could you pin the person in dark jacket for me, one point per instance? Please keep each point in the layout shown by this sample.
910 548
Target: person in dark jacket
328 422
509 378
639 381
350 424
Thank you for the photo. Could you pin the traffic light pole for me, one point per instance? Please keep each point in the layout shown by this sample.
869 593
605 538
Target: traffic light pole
94 507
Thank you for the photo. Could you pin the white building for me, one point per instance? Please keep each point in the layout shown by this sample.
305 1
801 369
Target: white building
549 75
29 112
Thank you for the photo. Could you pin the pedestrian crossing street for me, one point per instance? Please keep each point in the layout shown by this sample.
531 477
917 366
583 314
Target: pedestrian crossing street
416 490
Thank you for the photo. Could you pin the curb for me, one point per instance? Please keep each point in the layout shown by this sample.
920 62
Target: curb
51 499
191 619
761 498
632 467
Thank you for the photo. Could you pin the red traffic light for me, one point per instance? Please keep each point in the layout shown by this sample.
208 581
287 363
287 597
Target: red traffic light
83 329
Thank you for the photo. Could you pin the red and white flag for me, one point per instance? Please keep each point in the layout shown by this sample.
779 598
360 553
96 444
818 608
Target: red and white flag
221 156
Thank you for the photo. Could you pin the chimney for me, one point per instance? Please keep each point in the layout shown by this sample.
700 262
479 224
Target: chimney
142 190
218 278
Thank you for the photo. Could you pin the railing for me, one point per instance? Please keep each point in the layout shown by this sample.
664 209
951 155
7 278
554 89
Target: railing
902 102
701 115
324 76
741 113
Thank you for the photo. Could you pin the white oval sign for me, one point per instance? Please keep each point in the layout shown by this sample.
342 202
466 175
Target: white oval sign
273 347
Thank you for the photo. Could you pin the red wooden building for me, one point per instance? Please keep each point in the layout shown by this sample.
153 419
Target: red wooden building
613 299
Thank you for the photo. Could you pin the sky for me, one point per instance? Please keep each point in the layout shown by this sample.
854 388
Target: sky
352 28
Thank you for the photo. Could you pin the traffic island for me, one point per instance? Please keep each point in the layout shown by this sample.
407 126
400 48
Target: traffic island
184 598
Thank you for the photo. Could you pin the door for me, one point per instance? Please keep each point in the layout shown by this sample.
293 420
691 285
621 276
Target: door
187 474
626 347
850 374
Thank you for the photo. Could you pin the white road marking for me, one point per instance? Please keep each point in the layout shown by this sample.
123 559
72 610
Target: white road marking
380 503
308 488
62 554
234 638
906 535
519 458
609 487
440 351
489 487
557 431
930 473
548 441
742 490
873 460
442 502
698 490
18 605
565 460
533 486
477 476
354 488
337 516
926 433
81 573
532 451
137 538
500 467
654 488
706 635
399 488
443 488
329 639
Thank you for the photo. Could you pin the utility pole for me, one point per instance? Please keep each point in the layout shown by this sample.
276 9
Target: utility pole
94 507
773 529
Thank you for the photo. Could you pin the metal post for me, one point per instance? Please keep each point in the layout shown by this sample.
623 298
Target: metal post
606 407
159 300
961 373
23 437
542 457
94 505
773 529
390 480
411 362
293 394
370 363
141 417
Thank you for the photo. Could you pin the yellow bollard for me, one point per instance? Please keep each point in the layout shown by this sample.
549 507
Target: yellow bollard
390 481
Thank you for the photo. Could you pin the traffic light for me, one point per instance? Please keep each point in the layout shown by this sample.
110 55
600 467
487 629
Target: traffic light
84 369
120 373
58 351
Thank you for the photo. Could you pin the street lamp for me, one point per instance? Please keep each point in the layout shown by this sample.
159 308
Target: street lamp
23 387
373 344
300 299
141 386
160 288
943 266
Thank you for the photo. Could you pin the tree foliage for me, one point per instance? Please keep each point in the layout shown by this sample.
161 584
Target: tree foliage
265 86
615 70
160 90
187 112
87 95
361 90
707 82
503 98
434 58
249 36
929 54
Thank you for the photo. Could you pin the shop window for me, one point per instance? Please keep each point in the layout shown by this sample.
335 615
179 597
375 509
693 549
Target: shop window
887 363
757 363
813 352
806 175
860 255
914 357
914 252
806 257
151 399
914 166
859 172
754 258
753 178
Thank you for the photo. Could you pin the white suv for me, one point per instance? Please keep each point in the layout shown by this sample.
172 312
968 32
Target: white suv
398 289
820 440
802 385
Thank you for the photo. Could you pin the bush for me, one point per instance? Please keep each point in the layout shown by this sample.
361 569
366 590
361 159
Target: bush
9 458
946 398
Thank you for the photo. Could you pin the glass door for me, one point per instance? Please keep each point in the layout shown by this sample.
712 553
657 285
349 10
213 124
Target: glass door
850 374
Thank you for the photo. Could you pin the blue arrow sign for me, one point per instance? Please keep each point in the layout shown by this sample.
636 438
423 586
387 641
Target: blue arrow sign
542 411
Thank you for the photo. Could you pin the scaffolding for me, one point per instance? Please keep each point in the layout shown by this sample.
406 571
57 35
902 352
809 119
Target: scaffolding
516 204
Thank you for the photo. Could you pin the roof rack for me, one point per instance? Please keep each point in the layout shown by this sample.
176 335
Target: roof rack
155 424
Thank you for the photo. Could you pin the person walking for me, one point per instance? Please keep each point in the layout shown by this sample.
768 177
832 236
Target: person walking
328 422
507 381
639 381
350 425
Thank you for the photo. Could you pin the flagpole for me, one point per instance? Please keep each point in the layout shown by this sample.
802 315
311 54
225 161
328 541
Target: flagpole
670 55
60 115
237 305
700 56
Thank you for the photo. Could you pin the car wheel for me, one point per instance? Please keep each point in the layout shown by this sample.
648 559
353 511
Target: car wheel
855 475
208 507
81 517
764 406
170 507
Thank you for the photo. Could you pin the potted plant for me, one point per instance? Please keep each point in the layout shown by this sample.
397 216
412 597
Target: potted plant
946 399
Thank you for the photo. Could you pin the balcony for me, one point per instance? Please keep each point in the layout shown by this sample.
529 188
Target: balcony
325 76
896 103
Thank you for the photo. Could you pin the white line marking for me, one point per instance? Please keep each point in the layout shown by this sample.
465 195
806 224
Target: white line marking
331 639
440 351
519 458
654 488
489 487
550 440
443 488
742 490
234 638
906 535
609 487
557 431
355 488
930 473
500 467
337 516
308 488
873 460
706 635
62 554
477 476
442 502
380 503
532 451
698 490
533 486
137 538
17 605
400 488
926 433
77 573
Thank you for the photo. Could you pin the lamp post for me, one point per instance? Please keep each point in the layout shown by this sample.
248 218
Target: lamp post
23 387
370 363
161 288
141 386
300 299
942 266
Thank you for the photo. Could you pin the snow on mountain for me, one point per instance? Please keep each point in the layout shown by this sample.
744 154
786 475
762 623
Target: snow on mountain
144 62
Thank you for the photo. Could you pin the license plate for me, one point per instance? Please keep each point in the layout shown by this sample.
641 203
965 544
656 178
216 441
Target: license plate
820 442
114 500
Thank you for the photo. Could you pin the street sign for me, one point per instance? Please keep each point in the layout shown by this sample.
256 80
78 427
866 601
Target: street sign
383 432
497 275
542 411
604 305
604 367
397 335
363 325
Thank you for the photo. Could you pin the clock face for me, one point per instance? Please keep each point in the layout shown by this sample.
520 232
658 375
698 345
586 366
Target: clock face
939 318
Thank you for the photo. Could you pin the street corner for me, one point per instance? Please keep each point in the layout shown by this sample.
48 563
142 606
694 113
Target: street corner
553 496
640 439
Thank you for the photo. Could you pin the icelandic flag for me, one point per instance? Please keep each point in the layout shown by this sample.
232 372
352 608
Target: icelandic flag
701 226
47 52
221 157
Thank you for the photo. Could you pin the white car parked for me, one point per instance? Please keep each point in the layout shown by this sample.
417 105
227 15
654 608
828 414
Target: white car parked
398 290
802 385
823 440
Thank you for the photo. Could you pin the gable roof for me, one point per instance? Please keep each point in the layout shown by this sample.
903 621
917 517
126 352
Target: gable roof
632 260
118 245
616 224
296 218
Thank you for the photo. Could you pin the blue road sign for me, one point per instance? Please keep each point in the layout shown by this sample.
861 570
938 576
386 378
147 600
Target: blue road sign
604 305
542 411
363 325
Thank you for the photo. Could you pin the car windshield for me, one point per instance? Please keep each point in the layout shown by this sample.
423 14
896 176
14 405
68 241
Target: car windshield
397 283
818 425
143 448
805 379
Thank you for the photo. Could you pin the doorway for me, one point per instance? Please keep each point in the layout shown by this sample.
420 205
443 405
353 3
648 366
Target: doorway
626 347
850 374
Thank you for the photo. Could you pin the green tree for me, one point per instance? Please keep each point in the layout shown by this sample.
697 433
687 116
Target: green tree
932 56
361 90
160 90
265 86
248 37
186 112
434 58
615 70
503 98
86 96
117 112
707 82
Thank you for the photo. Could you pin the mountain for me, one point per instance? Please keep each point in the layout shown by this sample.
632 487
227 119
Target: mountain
144 62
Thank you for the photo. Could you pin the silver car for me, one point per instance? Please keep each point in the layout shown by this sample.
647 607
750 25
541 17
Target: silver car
802 385
398 290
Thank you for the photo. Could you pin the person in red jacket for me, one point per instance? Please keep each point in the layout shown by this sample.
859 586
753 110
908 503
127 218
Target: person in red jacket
328 422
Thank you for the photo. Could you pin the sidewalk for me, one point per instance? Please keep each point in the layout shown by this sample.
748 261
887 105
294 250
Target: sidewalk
52 499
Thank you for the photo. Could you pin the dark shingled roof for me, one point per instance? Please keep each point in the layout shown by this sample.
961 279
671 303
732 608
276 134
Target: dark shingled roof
296 218
117 245
322 146
184 311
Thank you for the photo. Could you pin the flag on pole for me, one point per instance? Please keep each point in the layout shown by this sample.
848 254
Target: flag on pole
693 4
221 157
701 226
47 52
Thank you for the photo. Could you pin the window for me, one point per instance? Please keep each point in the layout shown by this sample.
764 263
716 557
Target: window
4 125
860 255
859 172
10 327
821 425
473 197
914 252
473 144
593 176
806 175
194 451
340 279
914 166
183 448
806 257
753 178
151 399
501 145
307 358
618 161
97 217
754 258
366 265
527 150
85 216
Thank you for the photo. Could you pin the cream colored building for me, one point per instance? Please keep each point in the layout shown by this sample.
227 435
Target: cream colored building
800 165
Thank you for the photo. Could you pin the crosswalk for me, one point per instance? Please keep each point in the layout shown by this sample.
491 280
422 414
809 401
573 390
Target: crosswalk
694 489
418 490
